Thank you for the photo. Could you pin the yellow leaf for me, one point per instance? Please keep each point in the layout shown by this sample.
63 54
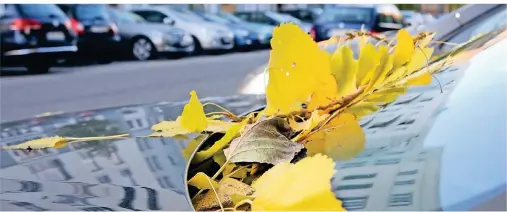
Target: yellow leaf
231 133
228 187
304 186
418 60
42 143
181 137
297 69
387 95
231 168
309 124
396 74
423 79
193 118
236 198
368 61
426 40
344 69
341 139
218 126
202 181
404 48
386 63
187 152
219 158
363 108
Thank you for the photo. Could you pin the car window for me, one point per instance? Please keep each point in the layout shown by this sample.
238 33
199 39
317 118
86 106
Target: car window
90 11
346 14
282 18
125 17
152 16
216 18
41 11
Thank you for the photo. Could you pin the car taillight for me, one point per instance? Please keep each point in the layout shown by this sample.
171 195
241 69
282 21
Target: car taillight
373 32
313 33
25 24
75 26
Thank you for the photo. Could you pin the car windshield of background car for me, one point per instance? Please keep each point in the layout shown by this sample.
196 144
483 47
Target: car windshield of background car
283 18
350 15
217 19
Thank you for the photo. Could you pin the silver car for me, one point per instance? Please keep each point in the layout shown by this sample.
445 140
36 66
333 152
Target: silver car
206 35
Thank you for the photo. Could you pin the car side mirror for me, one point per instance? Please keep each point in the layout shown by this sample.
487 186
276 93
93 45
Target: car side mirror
169 21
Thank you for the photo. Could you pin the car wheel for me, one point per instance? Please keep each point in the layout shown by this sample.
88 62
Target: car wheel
38 68
143 49
197 46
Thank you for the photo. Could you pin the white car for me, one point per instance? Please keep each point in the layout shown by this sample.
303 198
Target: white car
206 35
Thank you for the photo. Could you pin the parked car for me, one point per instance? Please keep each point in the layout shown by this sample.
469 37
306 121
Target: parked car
244 37
265 31
335 21
35 36
143 40
98 36
480 19
206 36
408 15
426 151
272 18
305 14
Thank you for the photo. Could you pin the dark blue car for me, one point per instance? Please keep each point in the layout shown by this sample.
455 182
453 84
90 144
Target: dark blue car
264 31
243 36
336 20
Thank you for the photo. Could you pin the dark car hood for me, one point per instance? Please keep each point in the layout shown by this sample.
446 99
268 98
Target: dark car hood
427 151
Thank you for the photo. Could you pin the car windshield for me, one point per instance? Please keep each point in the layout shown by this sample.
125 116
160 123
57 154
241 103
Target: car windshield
90 11
283 18
125 17
347 15
230 17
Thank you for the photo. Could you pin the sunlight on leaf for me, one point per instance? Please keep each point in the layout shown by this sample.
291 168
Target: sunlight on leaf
218 126
341 139
369 59
418 60
344 69
363 108
387 95
294 77
42 143
189 150
423 79
193 118
404 48
304 186
386 63
201 181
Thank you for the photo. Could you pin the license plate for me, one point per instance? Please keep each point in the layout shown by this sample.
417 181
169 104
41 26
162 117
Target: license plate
99 29
55 36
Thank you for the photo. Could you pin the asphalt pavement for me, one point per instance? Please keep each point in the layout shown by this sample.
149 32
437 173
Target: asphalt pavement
68 89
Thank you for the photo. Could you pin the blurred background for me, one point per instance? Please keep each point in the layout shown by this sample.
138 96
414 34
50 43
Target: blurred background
75 57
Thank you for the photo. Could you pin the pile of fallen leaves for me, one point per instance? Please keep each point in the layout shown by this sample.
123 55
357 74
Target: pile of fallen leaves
282 158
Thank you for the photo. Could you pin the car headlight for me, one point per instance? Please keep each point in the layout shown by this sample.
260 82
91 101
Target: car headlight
241 32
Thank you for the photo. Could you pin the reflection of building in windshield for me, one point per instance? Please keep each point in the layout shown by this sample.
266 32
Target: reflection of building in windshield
395 171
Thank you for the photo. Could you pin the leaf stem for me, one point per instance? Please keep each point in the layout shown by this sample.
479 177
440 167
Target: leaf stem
228 113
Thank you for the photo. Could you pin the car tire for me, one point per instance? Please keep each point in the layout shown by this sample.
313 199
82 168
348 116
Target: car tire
142 49
197 46
38 68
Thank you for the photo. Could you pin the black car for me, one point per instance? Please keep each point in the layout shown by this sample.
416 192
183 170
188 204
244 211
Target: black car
335 21
35 36
97 34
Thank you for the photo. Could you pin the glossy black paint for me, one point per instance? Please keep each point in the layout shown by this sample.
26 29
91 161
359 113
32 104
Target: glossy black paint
426 151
